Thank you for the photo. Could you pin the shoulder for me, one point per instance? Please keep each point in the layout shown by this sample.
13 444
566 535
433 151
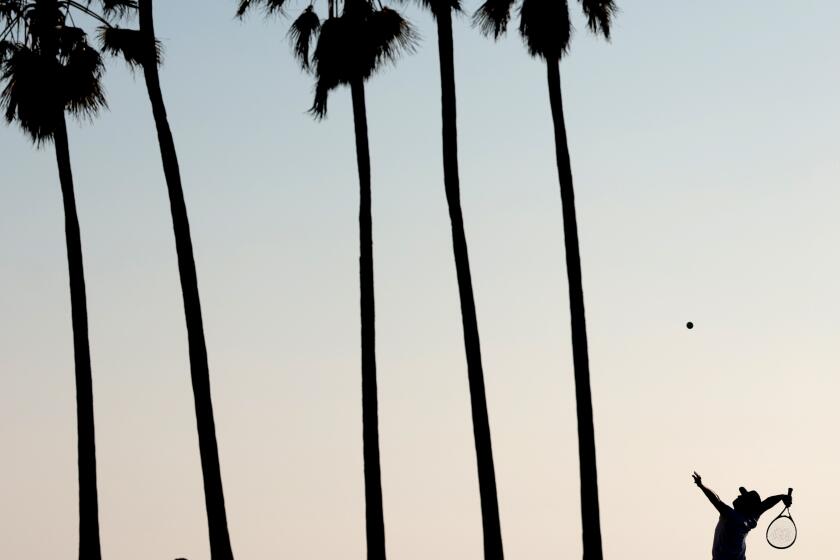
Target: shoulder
727 512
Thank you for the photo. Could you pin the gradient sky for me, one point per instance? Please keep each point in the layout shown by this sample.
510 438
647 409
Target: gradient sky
705 147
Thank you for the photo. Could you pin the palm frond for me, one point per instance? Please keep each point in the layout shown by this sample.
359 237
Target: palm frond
43 19
31 97
334 56
8 9
270 6
493 16
599 15
302 32
388 35
10 20
334 60
274 6
546 28
243 7
81 82
68 38
6 48
130 44
319 104
118 8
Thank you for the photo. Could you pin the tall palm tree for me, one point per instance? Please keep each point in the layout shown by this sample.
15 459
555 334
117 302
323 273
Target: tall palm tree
352 43
442 12
546 28
141 49
49 68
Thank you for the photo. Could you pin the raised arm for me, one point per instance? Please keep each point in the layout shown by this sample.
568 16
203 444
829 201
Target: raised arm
716 501
768 503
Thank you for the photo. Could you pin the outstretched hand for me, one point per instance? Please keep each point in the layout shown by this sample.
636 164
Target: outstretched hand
787 499
697 479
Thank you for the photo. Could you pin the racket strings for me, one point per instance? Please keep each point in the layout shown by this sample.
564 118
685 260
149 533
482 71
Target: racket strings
782 532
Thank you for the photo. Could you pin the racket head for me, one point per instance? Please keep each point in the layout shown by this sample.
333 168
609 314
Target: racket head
781 533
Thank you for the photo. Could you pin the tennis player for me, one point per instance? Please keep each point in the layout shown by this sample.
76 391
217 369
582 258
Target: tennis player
736 521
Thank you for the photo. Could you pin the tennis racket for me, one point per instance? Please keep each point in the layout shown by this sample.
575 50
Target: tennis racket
781 533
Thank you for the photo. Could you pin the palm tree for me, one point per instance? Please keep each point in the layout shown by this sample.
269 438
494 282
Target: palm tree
141 49
491 525
546 28
49 68
352 43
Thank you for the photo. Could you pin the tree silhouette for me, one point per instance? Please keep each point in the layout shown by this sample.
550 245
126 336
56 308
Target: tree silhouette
442 12
48 68
546 29
141 49
352 43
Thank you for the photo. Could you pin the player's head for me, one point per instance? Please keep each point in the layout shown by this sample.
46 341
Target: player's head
747 503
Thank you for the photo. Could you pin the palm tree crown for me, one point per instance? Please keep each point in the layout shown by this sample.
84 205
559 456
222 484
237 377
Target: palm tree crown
351 44
47 66
544 25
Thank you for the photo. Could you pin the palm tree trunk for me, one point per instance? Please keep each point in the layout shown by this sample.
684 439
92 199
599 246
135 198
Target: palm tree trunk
374 517
220 548
481 423
590 516
89 548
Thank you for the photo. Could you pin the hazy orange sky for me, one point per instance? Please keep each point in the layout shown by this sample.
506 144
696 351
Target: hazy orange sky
705 148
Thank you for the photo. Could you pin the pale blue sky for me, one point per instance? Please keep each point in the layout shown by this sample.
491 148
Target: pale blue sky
705 147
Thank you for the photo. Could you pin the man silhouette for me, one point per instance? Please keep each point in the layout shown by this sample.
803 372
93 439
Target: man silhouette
736 521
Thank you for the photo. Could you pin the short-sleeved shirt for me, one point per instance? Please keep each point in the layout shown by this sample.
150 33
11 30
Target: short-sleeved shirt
730 535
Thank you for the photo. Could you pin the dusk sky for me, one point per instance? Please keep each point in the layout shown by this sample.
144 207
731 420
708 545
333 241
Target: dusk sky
705 145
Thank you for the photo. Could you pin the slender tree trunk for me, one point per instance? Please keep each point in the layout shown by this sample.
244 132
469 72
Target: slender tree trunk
590 516
220 548
481 423
88 502
374 517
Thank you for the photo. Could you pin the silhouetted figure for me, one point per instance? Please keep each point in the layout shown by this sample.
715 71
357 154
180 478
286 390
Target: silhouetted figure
737 521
